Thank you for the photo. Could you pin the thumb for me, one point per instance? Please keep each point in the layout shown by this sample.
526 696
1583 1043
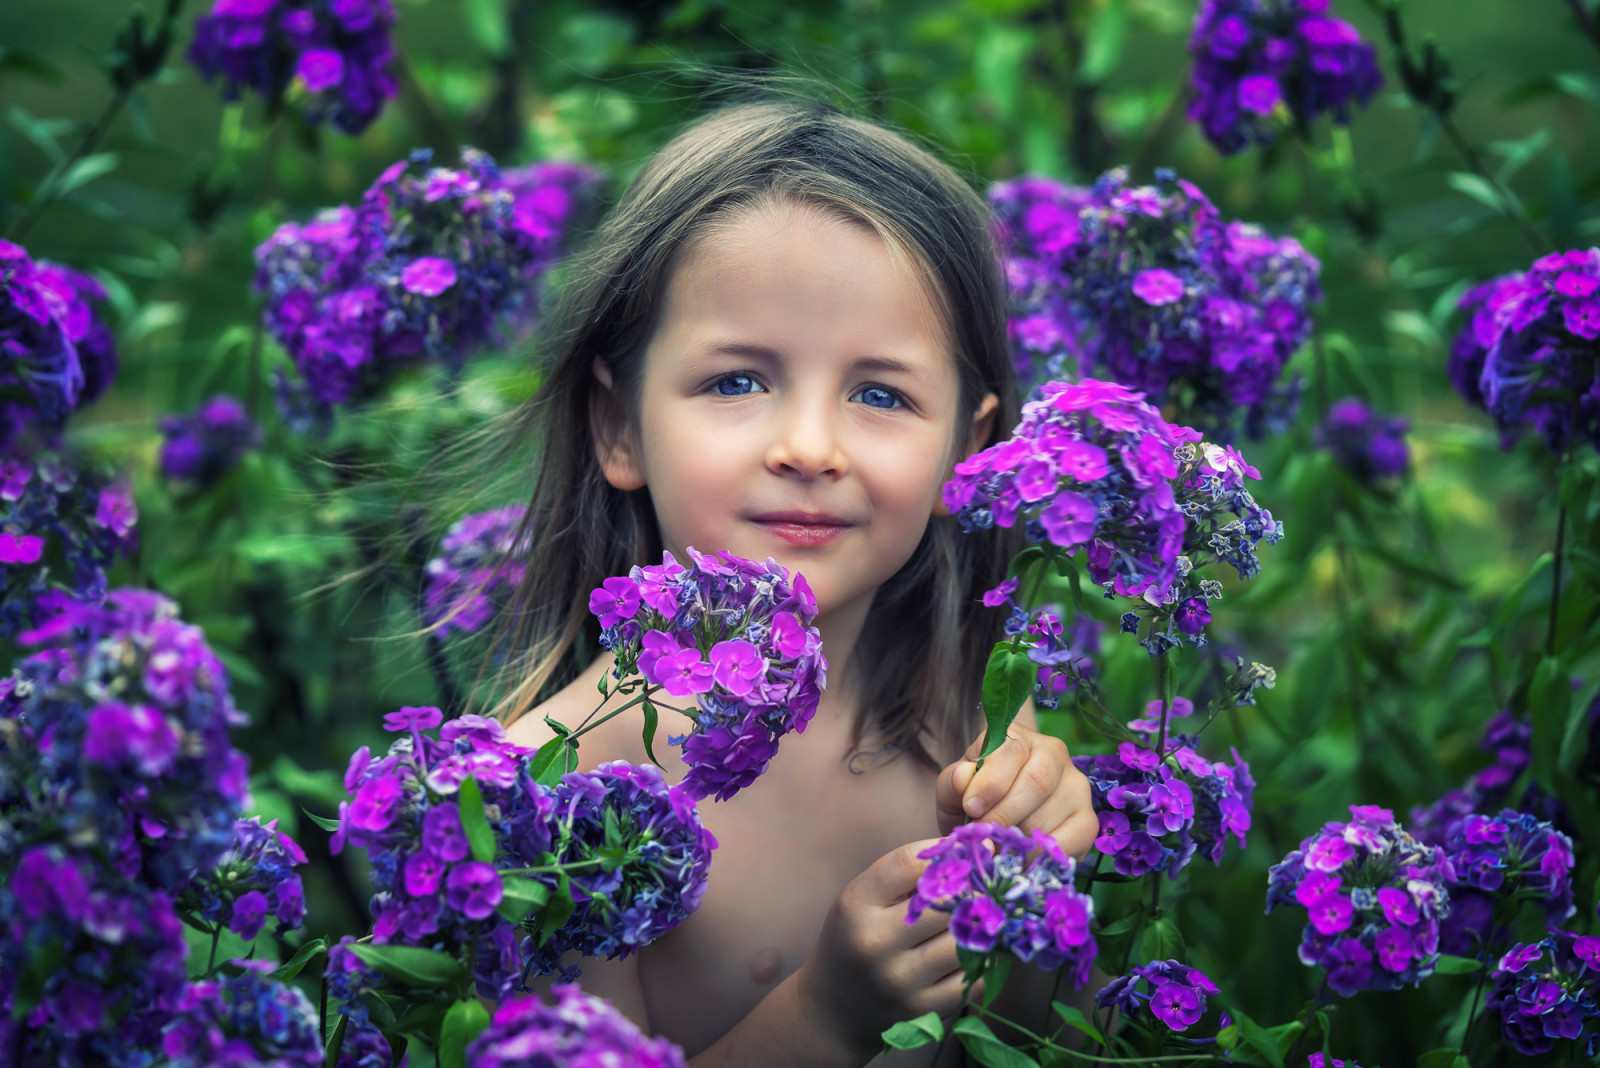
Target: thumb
950 792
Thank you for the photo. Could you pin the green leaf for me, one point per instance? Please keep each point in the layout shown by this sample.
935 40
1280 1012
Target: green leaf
1108 33
85 171
1483 191
1259 1039
488 26
999 59
1443 1058
461 1025
1007 682
983 1046
994 979
557 911
521 896
1073 1017
1549 699
321 821
1448 965
302 956
913 1034
1067 566
469 799
324 785
650 720
410 965
545 768
336 1042
1163 941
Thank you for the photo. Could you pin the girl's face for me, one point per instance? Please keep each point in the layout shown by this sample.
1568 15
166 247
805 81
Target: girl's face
798 400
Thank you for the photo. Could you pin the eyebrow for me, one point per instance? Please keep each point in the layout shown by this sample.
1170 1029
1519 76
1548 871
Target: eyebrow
885 364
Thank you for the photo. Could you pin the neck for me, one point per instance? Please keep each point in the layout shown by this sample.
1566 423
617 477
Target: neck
841 632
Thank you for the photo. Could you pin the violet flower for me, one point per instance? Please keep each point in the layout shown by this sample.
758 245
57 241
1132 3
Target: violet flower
1148 286
1002 900
1500 862
332 59
255 877
199 448
243 1020
478 568
1172 992
731 635
1374 897
1261 66
1371 447
574 1028
1549 992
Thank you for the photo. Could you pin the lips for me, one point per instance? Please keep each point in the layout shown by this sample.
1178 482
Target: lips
802 529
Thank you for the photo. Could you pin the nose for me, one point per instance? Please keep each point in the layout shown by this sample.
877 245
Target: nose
807 441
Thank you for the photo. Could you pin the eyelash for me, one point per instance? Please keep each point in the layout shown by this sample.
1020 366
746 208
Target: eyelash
895 395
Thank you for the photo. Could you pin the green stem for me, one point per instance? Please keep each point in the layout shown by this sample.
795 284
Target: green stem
551 869
1561 535
46 192
1044 1042
1472 1016
1508 203
216 937
1163 672
585 727
1311 1011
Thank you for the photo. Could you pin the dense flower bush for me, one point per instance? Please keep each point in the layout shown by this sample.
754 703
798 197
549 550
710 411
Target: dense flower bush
639 859
1532 339
1009 892
60 528
1549 991
202 446
476 572
55 350
1370 446
1374 896
1156 814
243 1020
1172 992
1148 286
430 265
573 1029
1263 65
337 54
734 636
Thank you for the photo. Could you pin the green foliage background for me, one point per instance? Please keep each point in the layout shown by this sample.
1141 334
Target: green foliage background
1398 623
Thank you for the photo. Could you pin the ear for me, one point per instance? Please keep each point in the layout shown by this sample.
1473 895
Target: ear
982 424
613 444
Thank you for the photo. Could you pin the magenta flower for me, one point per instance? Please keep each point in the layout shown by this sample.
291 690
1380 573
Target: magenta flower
1157 286
413 719
1173 993
321 69
20 548
428 275
616 599
473 889
442 833
374 805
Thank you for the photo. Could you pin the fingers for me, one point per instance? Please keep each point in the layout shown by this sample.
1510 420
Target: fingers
892 876
1017 780
1077 833
949 791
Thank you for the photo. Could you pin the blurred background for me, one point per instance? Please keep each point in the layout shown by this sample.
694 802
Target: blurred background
1398 622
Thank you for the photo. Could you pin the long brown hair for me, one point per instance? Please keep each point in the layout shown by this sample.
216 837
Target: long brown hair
927 636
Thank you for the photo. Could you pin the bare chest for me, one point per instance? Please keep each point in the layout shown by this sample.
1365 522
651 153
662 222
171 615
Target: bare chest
787 846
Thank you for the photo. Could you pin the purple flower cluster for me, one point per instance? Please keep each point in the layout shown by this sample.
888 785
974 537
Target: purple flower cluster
1374 896
243 1020
1370 446
1510 741
1155 815
1550 990
431 890
89 960
199 448
429 266
117 734
365 1047
336 54
54 348
255 877
1500 862
652 856
53 513
1261 65
1148 286
1531 339
735 636
1317 1060
1174 993
1001 900
1093 466
1065 654
575 1029
478 569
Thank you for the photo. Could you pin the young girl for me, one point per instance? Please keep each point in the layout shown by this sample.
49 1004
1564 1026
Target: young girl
786 333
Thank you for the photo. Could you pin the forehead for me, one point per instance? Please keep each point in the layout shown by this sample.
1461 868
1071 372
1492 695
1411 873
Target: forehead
815 256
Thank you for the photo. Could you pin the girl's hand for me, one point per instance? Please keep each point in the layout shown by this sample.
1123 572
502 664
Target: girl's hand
1029 782
869 968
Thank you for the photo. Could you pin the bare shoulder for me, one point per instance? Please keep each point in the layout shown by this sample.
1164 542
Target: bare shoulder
578 703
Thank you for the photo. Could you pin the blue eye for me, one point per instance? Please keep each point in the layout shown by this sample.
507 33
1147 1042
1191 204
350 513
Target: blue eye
877 397
736 386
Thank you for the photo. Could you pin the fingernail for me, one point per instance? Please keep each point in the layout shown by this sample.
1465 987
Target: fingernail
974 807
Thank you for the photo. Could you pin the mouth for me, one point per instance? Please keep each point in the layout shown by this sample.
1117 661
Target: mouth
802 529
